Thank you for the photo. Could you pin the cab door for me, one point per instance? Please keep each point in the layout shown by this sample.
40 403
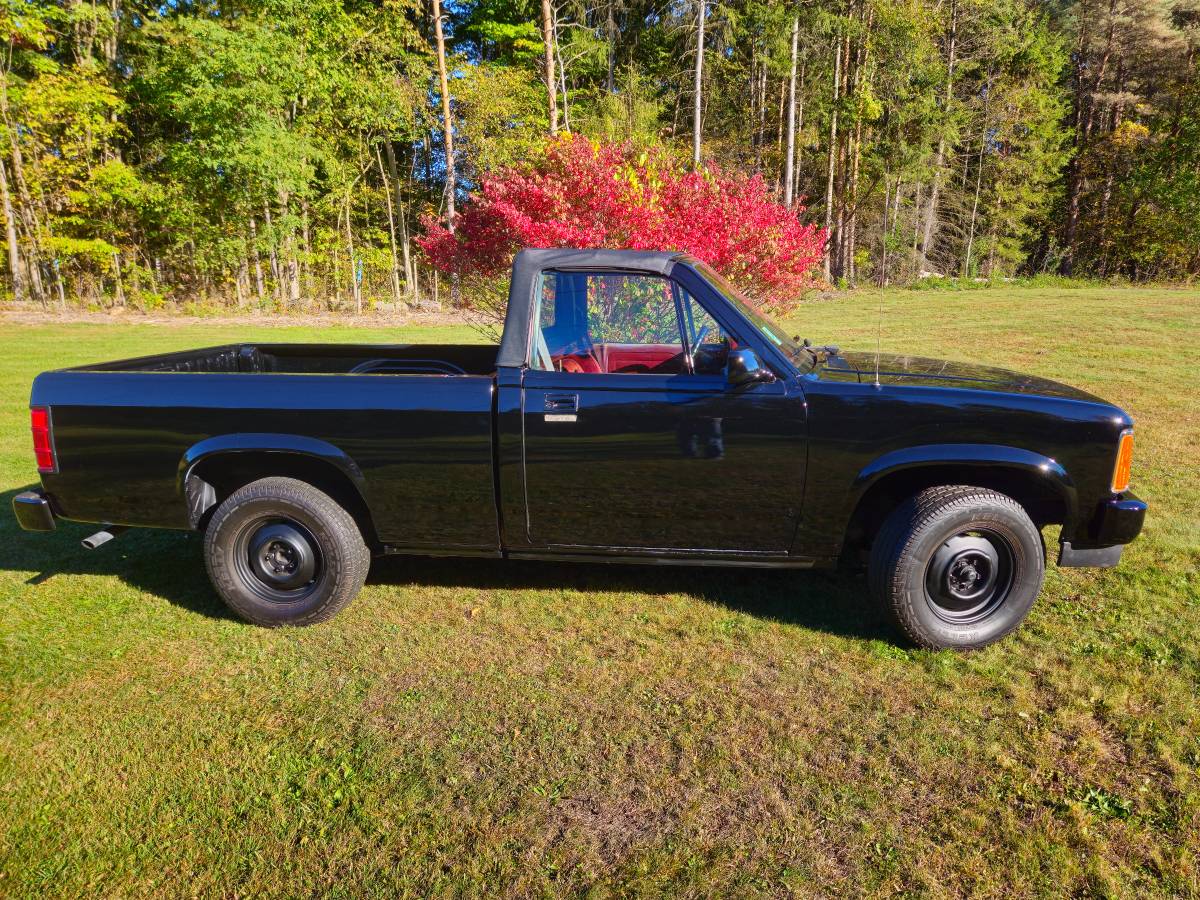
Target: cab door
634 440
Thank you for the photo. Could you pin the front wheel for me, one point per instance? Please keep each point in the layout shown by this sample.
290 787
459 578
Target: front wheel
957 567
281 552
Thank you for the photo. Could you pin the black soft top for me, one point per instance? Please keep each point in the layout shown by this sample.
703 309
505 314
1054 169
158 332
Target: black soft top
529 264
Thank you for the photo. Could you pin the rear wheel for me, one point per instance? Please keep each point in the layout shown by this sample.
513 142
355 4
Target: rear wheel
281 552
957 567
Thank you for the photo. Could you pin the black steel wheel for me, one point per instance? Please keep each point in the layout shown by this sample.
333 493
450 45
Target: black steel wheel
957 567
281 552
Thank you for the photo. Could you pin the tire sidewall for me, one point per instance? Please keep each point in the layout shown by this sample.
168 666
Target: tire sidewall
1025 547
222 545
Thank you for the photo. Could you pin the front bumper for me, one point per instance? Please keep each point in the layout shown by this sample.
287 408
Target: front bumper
33 511
1115 524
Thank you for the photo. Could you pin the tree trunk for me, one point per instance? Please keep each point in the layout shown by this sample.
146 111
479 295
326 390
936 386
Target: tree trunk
1110 167
883 233
25 207
291 266
852 219
789 177
861 56
410 267
966 269
276 271
697 88
58 282
117 277
306 263
918 196
548 42
447 123
258 273
355 284
387 195
940 159
983 138
10 234
562 79
760 91
833 154
1085 108
241 282
799 130
896 208
610 32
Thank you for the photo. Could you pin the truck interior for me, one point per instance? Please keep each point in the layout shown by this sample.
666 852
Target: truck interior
627 324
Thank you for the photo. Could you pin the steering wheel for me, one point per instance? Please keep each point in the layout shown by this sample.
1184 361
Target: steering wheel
700 336
583 346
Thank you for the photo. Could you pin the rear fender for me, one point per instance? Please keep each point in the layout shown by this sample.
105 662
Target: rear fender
201 496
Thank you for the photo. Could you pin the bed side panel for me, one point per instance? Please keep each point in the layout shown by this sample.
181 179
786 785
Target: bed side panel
422 443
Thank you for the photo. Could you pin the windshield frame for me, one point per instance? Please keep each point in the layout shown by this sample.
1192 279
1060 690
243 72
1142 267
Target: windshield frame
803 358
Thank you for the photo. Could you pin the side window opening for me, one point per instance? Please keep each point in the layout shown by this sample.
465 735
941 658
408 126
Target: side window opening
707 341
624 323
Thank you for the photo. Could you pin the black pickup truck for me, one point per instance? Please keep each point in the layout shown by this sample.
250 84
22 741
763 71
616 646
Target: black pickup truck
637 409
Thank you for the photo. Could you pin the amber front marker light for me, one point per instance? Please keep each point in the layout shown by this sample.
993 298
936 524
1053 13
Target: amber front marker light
1120 479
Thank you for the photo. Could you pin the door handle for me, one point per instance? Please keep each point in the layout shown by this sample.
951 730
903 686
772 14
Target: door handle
561 407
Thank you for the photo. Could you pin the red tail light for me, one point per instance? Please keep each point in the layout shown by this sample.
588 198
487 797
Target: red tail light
43 444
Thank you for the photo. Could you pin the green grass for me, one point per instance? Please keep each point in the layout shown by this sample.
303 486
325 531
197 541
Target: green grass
478 727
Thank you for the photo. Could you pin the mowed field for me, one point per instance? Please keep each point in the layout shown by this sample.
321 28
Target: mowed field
471 728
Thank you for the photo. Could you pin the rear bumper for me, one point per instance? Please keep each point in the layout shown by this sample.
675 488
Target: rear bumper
1116 523
33 511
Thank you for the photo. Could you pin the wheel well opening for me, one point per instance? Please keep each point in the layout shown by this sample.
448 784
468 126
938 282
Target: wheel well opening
211 480
1043 504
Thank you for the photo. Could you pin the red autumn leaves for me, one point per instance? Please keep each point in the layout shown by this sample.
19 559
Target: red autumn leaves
581 194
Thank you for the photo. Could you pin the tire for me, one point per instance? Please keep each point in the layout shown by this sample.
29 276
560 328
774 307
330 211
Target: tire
957 567
281 552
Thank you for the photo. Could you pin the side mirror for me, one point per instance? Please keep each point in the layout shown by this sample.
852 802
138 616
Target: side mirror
744 367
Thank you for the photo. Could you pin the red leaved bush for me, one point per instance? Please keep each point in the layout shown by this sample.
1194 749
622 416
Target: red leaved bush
581 194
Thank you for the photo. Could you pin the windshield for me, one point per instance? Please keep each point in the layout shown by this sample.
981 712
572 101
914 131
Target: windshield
799 355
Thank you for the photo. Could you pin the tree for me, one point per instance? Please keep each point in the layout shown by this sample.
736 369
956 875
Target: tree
447 121
551 85
789 180
581 194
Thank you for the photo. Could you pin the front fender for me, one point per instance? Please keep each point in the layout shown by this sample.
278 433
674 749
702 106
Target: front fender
996 457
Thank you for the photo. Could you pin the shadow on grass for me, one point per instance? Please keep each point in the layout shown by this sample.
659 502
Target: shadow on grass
168 564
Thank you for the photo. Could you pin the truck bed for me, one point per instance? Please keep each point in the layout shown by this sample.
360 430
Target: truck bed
411 428
317 359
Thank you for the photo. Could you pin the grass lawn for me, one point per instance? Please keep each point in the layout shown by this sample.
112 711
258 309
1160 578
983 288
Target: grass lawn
480 727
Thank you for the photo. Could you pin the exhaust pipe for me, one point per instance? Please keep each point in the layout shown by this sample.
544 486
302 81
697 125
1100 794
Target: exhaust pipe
102 537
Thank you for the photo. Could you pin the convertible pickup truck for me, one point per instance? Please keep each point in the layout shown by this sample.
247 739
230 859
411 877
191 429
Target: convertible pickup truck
636 409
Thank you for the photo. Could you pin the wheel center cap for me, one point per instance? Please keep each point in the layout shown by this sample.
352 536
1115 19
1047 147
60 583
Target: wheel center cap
966 574
282 556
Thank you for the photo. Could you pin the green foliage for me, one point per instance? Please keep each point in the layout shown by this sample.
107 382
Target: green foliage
503 117
240 151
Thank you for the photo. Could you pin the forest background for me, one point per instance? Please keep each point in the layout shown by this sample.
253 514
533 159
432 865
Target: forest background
300 156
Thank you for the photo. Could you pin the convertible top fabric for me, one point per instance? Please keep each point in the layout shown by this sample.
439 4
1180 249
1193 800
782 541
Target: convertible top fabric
529 264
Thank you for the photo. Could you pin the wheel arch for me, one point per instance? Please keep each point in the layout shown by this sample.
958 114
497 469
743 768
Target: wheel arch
1039 483
214 468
